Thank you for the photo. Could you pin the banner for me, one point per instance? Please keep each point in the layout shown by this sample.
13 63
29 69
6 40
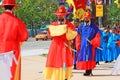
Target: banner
79 7
80 4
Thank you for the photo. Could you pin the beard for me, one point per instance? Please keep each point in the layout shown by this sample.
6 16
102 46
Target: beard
61 21
87 22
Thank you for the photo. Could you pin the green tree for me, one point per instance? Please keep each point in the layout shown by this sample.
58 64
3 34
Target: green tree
113 14
36 13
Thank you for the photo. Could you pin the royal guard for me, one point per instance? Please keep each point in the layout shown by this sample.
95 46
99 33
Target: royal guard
13 32
60 56
90 40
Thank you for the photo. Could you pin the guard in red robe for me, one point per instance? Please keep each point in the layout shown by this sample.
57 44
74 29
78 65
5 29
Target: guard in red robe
90 40
60 56
13 31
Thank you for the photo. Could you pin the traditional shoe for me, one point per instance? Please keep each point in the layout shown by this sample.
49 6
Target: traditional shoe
91 74
97 63
106 61
88 74
74 67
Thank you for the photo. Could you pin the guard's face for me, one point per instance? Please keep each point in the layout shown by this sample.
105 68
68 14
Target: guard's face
61 19
87 19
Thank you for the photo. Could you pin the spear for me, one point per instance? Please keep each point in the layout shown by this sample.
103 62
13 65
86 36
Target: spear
91 43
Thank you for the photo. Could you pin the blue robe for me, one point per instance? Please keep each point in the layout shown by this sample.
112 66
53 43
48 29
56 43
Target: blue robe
86 60
112 47
98 52
105 54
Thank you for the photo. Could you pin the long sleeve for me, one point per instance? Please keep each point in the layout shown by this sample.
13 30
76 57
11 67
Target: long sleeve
22 32
96 41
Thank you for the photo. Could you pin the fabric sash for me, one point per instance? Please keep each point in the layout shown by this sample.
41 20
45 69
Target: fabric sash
7 58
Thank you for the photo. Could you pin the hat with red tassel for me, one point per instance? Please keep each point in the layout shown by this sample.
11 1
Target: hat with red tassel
9 3
61 11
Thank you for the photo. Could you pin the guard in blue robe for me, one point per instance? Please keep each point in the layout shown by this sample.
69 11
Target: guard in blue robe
112 46
106 35
90 40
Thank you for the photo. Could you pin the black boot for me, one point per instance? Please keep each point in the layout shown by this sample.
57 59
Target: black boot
97 63
74 66
88 73
106 61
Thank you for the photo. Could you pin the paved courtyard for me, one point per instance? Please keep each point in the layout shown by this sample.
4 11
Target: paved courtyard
32 67
33 64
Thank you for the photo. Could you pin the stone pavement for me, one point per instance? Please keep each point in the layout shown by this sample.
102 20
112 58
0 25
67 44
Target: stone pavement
32 67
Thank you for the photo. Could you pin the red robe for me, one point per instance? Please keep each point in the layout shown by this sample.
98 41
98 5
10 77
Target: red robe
12 32
78 42
58 52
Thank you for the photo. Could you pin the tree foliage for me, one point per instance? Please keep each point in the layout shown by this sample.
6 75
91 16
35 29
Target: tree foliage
113 14
36 13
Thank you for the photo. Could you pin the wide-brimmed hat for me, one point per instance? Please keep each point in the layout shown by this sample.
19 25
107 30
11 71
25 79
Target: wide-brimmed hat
61 11
9 3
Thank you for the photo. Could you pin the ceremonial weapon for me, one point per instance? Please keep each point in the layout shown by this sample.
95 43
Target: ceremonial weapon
91 43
